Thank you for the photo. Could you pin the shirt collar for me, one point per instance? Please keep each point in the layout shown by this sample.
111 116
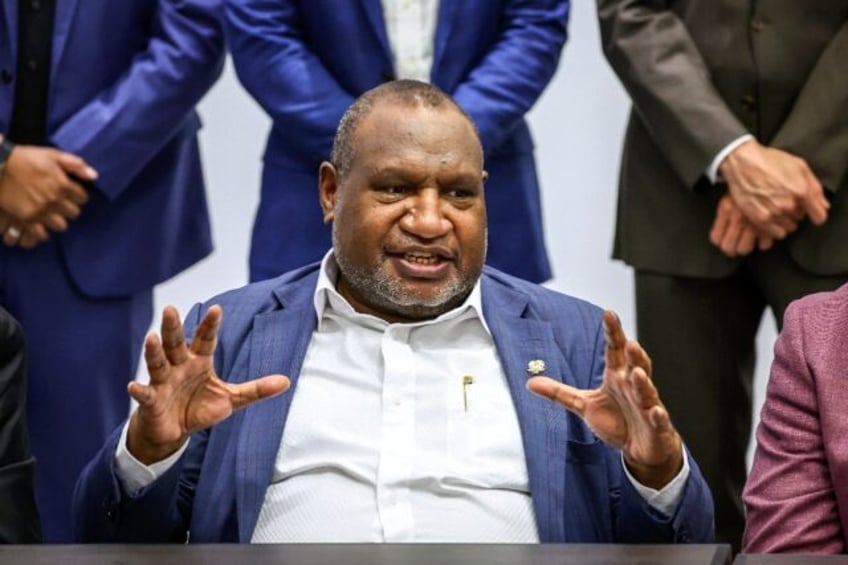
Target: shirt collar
327 298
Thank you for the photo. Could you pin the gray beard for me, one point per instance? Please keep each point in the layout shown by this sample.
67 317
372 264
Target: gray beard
378 289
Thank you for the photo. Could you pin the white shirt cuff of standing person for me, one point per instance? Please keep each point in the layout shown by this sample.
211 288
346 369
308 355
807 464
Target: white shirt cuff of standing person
712 170
135 475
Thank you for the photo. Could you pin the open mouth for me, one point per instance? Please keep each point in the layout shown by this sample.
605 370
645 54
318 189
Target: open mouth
421 258
421 264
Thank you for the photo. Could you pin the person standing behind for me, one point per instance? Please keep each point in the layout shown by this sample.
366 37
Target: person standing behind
732 196
19 518
305 63
101 198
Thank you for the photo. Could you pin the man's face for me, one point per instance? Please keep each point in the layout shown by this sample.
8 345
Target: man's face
409 219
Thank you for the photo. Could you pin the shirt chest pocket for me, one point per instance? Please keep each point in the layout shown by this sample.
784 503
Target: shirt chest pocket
483 438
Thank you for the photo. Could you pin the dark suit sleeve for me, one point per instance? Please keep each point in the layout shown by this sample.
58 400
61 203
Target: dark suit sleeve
636 521
656 60
508 81
692 521
18 517
104 512
817 127
275 64
124 127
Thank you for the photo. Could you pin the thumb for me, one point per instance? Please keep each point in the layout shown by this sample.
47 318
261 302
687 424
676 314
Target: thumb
76 166
564 395
247 393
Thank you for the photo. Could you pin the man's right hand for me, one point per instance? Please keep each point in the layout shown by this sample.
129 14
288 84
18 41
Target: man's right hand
184 393
733 233
774 189
38 186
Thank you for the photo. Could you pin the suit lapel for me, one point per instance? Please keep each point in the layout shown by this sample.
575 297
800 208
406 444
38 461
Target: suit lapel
444 25
278 344
374 14
65 12
520 340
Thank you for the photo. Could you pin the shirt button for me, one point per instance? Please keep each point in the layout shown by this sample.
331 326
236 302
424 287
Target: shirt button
35 5
757 24
32 64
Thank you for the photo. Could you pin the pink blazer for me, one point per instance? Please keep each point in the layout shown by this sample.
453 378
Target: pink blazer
797 493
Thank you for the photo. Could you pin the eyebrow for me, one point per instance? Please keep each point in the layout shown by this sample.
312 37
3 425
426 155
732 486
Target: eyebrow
400 174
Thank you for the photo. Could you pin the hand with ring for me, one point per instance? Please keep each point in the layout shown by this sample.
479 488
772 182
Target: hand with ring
25 236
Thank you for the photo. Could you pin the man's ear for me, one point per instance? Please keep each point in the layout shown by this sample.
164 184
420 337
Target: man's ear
328 188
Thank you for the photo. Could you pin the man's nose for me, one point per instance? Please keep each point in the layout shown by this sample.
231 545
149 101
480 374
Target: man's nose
425 217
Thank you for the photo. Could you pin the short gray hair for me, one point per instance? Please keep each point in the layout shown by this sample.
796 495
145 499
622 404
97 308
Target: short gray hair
406 92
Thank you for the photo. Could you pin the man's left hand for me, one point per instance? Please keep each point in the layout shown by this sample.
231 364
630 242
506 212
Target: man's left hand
625 411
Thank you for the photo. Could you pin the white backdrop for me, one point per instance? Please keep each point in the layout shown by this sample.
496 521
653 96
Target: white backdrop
578 126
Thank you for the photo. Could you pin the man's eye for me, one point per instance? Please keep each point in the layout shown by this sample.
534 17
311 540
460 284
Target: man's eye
392 189
461 193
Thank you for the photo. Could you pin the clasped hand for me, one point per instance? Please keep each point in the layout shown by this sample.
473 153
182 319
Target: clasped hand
770 192
184 393
40 193
625 411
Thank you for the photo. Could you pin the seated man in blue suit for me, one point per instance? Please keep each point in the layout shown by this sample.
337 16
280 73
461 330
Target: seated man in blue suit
409 417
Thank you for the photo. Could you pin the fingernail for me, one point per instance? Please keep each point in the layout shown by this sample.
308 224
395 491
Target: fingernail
91 173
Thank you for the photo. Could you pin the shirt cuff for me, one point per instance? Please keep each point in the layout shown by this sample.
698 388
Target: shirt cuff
712 170
667 498
134 474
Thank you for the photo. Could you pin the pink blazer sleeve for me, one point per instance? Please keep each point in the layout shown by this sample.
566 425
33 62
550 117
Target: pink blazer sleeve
792 502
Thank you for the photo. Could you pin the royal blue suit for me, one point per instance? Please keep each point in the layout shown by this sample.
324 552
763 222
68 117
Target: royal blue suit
216 490
305 61
124 81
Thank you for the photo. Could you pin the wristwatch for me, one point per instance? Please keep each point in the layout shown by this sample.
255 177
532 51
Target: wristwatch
6 147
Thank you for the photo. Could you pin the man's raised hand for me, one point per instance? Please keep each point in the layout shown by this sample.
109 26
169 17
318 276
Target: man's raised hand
184 393
625 411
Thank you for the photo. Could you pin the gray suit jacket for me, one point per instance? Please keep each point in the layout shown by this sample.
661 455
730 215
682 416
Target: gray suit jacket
701 73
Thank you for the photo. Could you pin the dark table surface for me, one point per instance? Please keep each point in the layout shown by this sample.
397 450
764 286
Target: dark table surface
370 554
790 559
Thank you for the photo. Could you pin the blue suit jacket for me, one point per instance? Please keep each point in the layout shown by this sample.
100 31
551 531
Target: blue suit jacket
577 484
305 61
124 80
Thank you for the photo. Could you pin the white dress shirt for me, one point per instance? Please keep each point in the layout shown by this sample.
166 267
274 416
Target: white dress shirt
397 433
411 29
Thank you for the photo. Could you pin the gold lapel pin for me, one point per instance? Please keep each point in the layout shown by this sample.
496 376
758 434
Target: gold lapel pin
536 367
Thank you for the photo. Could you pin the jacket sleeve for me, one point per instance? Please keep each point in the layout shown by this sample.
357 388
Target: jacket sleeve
659 65
104 512
124 127
789 498
511 77
277 67
817 127
19 522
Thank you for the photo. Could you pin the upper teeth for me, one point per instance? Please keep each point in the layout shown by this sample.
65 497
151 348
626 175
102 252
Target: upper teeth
417 257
